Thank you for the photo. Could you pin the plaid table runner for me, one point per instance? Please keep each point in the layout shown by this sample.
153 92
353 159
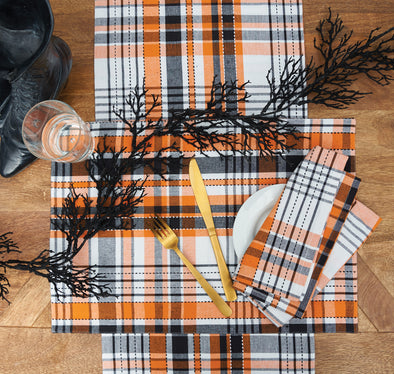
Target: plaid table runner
208 353
155 292
177 47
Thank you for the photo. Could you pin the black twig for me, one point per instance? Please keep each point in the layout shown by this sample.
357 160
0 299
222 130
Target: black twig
219 127
343 62
7 245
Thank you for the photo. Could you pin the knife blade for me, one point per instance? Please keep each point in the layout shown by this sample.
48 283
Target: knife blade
201 196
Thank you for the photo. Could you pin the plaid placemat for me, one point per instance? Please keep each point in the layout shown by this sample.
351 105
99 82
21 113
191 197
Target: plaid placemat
208 353
177 47
155 292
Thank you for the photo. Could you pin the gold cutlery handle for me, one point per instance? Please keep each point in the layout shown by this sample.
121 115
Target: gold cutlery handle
201 195
216 298
227 282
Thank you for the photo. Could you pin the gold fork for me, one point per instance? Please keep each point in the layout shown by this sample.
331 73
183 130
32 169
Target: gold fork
169 240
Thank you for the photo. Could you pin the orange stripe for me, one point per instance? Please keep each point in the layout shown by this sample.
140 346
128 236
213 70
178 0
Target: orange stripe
336 141
147 234
189 311
152 73
157 345
310 140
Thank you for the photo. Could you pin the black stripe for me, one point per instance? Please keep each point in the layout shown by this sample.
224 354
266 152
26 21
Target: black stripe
173 35
280 352
224 352
228 38
109 108
113 350
295 350
142 350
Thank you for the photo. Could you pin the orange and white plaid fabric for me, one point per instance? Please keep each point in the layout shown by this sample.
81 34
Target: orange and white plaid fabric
208 353
153 291
281 268
177 47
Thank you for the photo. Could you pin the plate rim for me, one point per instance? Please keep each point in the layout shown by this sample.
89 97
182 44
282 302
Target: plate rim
253 196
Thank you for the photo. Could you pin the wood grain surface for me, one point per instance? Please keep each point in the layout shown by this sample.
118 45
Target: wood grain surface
26 342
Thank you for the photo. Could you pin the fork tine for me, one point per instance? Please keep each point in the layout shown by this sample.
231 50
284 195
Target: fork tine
163 224
157 234
157 231
158 226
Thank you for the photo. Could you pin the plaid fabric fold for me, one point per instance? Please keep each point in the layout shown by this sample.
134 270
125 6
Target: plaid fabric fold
358 226
153 291
208 353
176 48
281 268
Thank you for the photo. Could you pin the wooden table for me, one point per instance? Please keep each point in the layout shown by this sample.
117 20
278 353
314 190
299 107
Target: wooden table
26 342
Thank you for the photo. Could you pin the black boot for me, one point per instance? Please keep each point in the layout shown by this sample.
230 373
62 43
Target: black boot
33 67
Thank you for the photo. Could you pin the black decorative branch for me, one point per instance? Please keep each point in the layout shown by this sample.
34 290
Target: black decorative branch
143 130
343 62
219 127
79 219
220 122
7 246
58 268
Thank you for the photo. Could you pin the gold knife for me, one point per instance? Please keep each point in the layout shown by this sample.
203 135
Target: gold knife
200 193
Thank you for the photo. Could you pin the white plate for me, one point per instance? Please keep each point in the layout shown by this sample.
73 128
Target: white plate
252 214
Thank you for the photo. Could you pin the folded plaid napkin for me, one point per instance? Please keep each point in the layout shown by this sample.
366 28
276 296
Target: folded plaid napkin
208 353
285 265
